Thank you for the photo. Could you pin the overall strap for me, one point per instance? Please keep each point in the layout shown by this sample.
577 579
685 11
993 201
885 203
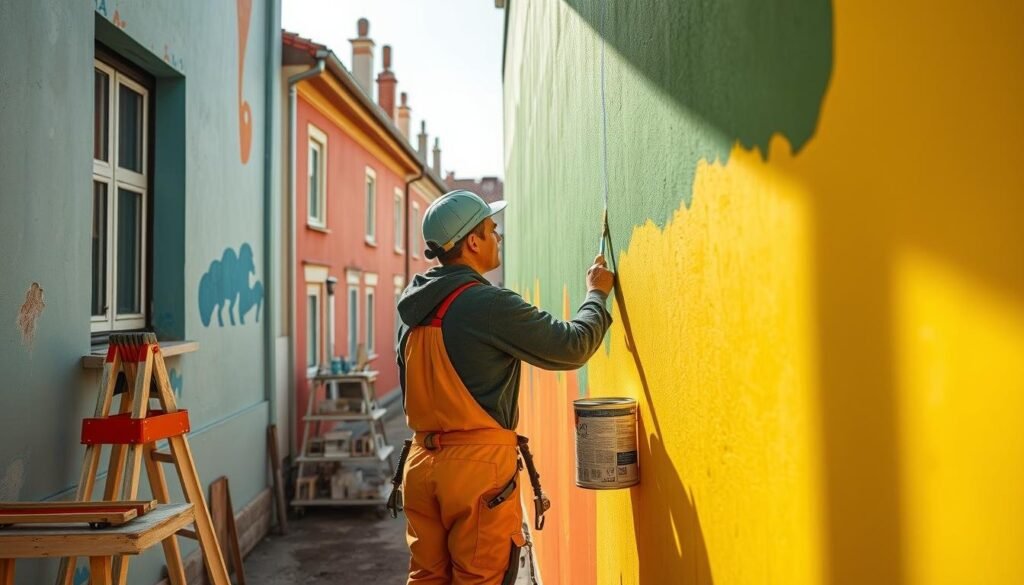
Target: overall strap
436 321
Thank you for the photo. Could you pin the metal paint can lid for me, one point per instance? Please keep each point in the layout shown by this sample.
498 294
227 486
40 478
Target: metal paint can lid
611 403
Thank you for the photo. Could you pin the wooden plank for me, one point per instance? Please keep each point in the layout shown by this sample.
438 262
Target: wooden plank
223 515
112 517
78 541
278 481
140 506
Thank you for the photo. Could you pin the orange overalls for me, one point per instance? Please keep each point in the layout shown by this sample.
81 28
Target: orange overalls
461 477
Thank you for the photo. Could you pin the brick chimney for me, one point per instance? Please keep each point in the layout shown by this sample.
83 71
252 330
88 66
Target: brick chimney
386 83
362 57
450 177
437 156
422 150
403 115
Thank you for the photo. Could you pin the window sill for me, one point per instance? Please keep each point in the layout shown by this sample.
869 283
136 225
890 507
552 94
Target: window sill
94 360
318 228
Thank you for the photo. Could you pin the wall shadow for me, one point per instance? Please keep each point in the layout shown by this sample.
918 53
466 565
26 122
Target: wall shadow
663 509
665 512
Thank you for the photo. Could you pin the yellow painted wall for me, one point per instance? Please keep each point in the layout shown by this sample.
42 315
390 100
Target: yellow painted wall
833 339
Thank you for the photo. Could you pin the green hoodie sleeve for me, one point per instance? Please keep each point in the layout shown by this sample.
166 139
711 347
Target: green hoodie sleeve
538 338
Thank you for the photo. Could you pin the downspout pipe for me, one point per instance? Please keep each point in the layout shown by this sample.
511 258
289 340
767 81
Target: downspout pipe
293 97
408 227
270 248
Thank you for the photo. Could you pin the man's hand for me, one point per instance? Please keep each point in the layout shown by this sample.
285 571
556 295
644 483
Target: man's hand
599 277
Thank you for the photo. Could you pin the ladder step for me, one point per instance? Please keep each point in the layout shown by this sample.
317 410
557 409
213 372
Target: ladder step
162 456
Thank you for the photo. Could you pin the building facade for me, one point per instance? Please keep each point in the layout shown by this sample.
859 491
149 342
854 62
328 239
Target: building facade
360 195
137 169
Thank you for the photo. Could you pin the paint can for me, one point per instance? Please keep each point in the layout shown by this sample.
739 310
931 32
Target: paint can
606 454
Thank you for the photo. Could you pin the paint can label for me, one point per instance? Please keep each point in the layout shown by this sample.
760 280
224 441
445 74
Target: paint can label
606 453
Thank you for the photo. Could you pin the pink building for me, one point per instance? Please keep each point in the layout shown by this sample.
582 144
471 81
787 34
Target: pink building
360 194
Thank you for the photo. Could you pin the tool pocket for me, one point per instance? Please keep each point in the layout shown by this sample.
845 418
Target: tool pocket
499 525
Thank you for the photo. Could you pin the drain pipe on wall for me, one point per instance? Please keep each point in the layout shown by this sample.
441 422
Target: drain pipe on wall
293 81
408 231
270 249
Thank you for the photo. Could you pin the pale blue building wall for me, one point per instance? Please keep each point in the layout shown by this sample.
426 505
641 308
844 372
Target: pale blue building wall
208 198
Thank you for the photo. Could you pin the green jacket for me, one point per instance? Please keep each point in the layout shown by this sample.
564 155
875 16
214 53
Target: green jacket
489 330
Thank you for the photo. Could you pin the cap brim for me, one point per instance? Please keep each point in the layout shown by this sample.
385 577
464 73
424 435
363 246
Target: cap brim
497 207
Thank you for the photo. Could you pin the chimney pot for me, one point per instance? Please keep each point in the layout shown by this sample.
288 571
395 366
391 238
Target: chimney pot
386 83
437 156
423 141
403 115
362 57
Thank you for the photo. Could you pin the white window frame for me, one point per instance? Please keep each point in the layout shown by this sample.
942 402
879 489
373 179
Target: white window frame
414 242
314 289
317 140
370 203
111 174
398 220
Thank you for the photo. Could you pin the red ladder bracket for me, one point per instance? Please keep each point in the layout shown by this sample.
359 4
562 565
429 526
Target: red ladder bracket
122 429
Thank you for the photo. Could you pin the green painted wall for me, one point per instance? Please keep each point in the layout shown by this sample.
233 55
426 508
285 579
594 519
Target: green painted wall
684 80
208 192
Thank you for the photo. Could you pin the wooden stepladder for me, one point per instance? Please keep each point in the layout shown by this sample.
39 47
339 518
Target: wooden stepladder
133 432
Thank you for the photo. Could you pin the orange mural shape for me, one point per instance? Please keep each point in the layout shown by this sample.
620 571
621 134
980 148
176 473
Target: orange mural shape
244 111
566 549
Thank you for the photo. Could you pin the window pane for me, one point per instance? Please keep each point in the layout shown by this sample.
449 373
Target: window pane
129 136
314 182
99 249
353 322
101 116
129 252
313 330
398 221
370 337
370 204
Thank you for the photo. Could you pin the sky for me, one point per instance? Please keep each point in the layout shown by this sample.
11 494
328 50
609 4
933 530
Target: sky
445 53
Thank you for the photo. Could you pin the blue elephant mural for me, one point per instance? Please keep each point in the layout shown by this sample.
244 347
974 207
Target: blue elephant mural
227 283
